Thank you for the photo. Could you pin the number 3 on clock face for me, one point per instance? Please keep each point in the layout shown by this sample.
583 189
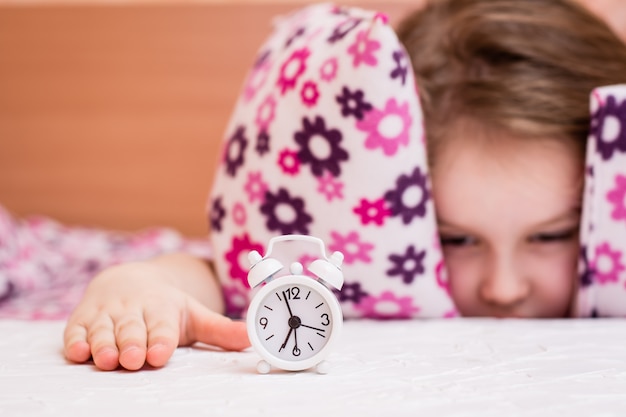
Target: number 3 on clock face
296 321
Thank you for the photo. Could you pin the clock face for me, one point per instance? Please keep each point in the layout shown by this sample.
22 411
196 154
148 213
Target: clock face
294 321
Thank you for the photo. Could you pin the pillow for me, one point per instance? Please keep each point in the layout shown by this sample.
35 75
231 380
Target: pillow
327 140
603 229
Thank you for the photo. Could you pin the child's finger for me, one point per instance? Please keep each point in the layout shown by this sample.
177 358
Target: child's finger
75 344
131 337
217 330
163 335
101 339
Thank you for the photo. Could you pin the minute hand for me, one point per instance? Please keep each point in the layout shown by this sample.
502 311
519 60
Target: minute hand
288 307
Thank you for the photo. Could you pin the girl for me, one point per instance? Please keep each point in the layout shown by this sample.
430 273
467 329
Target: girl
504 86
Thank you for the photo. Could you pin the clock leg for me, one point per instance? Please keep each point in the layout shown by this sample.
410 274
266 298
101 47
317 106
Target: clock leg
323 367
263 367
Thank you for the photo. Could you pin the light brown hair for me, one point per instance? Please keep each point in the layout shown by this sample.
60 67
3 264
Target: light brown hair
525 67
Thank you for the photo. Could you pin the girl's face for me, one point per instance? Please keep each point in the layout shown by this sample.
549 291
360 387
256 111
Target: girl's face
508 212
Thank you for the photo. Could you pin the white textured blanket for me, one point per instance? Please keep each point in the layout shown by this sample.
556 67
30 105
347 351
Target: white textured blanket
459 367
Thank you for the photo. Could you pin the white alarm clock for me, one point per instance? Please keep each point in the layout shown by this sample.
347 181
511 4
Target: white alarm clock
294 320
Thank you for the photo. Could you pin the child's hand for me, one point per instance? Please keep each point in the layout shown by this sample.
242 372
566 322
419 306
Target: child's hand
137 313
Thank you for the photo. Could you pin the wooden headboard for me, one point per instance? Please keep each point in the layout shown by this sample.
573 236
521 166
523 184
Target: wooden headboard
111 112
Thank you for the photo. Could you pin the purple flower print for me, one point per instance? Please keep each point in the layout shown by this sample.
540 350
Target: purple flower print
352 103
351 246
607 264
255 187
265 113
284 213
328 70
401 70
319 147
237 257
233 157
387 129
608 126
295 35
363 50
288 162
262 143
309 93
408 200
351 292
408 265
329 187
217 214
617 197
292 69
372 212
236 301
387 306
341 30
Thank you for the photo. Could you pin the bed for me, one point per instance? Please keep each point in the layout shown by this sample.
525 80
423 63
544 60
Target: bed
464 367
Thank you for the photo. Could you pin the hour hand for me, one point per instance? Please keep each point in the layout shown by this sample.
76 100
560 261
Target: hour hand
286 340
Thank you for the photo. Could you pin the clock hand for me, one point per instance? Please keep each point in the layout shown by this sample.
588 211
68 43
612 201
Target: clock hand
296 350
311 327
287 302
286 339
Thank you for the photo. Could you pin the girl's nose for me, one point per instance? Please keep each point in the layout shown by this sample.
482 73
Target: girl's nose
504 285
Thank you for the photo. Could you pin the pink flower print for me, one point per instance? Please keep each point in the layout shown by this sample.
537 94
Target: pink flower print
372 211
328 70
236 301
309 93
265 113
289 162
256 79
607 264
387 129
617 197
387 306
450 314
442 276
239 214
351 246
363 50
237 257
292 69
306 260
329 187
255 187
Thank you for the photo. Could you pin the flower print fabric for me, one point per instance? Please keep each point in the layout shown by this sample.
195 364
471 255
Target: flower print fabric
603 230
45 266
327 140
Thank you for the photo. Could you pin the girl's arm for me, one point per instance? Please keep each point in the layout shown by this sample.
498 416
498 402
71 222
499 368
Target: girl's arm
138 313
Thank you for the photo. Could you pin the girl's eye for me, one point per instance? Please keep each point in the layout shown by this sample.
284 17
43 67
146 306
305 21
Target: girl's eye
561 236
457 241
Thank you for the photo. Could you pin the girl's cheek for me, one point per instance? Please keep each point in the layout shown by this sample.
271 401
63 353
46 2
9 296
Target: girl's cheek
463 278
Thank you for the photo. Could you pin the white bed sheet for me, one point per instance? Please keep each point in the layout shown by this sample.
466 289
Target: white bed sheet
460 367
